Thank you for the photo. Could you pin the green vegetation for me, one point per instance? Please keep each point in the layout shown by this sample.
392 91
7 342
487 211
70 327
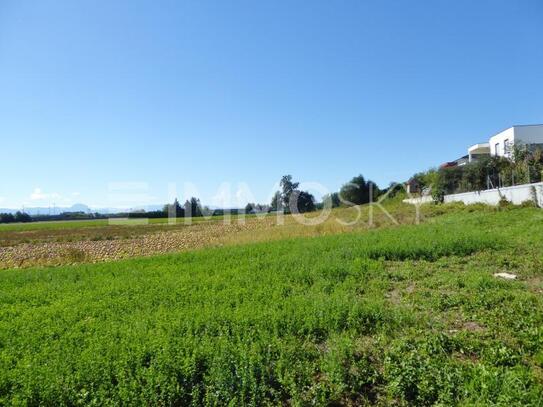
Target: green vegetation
63 224
17 217
358 191
408 316
191 209
291 199
77 224
524 167
52 244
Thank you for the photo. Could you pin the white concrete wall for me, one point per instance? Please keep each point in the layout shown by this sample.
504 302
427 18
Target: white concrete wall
419 201
530 134
508 134
516 195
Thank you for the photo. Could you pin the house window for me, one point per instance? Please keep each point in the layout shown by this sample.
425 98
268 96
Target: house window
506 147
497 149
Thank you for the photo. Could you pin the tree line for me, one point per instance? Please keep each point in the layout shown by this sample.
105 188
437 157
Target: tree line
191 208
288 199
17 217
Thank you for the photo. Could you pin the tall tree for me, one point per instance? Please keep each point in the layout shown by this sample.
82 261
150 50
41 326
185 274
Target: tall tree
174 208
305 202
287 188
193 207
290 198
250 208
22 217
359 191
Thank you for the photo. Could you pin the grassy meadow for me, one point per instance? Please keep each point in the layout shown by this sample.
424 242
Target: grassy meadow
42 244
289 315
89 223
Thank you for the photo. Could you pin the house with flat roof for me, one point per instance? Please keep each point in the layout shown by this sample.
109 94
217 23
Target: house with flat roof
529 136
501 144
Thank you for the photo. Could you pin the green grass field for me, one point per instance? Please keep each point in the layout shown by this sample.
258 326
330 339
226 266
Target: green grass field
88 223
410 315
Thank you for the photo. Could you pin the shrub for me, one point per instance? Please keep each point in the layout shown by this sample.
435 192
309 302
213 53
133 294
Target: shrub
490 172
528 204
504 203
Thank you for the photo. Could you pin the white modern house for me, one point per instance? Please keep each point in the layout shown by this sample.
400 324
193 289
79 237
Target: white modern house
500 144
528 136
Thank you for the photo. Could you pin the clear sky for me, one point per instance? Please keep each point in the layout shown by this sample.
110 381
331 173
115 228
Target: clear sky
100 92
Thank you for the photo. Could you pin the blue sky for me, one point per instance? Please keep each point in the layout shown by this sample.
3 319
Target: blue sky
99 97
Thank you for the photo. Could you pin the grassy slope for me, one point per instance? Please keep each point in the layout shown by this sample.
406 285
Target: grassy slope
410 314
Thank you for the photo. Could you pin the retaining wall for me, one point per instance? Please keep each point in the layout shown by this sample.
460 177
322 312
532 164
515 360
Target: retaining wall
516 195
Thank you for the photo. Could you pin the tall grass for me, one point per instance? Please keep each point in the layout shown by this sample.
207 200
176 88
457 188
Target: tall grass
357 318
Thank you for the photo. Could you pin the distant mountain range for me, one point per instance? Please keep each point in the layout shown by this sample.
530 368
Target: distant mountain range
78 208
